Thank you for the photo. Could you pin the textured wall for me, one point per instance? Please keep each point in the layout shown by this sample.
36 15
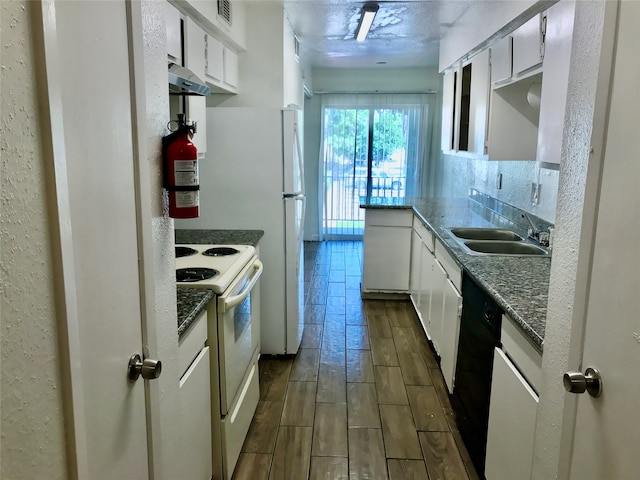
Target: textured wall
32 423
161 288
567 283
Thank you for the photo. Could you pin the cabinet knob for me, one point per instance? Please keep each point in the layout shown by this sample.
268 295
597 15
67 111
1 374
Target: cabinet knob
577 382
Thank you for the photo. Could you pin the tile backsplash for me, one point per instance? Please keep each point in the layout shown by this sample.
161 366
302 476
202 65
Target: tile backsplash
457 174
505 214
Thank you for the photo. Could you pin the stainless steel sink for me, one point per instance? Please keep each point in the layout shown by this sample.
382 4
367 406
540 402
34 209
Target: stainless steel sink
468 233
504 248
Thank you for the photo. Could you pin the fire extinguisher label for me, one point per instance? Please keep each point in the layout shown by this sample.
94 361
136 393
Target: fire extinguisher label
186 173
187 199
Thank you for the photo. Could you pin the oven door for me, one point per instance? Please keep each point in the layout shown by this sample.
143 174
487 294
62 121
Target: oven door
237 334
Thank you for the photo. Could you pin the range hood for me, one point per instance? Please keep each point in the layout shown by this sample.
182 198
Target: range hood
183 81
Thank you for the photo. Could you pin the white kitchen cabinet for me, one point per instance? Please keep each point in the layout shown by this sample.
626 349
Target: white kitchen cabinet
438 289
221 66
174 35
194 53
528 45
421 238
513 121
195 421
195 400
558 40
450 330
230 68
512 418
214 67
522 352
465 106
427 271
387 251
449 132
501 60
454 272
474 104
416 265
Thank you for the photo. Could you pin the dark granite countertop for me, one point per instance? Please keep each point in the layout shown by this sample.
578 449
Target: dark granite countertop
519 284
219 237
191 303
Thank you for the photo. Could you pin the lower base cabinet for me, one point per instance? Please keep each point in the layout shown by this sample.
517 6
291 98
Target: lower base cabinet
512 421
387 251
196 418
451 314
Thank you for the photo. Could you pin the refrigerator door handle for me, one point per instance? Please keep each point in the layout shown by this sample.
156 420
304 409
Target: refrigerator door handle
296 136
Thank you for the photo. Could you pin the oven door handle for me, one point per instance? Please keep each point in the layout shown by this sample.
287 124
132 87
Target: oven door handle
237 299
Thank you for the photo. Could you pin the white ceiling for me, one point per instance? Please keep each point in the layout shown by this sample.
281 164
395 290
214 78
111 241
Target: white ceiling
404 33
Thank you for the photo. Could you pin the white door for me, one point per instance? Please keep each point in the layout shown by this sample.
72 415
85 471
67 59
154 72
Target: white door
607 429
91 95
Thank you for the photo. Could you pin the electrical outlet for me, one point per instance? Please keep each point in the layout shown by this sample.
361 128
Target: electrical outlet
535 193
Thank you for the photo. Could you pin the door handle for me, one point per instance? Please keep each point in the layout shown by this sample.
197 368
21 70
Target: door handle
149 369
577 382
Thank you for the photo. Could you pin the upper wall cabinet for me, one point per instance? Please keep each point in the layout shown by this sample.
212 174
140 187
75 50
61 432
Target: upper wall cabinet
221 66
528 45
516 66
558 42
174 35
194 60
476 96
502 60
215 60
449 102
514 119
465 106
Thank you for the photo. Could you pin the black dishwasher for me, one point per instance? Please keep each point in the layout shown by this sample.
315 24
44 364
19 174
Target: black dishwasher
479 335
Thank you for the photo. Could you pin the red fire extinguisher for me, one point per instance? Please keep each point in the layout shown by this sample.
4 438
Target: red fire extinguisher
181 178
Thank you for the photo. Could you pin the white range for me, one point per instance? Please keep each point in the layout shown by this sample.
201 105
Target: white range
233 335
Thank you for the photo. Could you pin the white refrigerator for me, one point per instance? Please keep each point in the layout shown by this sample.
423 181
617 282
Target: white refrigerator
252 179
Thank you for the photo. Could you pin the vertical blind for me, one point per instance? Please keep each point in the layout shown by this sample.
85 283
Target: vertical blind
372 145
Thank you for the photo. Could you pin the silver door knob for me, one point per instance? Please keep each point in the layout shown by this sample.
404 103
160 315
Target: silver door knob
577 382
149 369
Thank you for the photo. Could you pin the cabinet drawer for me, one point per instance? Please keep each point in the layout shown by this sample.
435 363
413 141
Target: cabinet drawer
192 342
522 353
235 425
423 232
450 265
389 218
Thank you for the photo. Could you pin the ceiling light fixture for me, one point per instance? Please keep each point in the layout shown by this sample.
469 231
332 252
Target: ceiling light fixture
369 11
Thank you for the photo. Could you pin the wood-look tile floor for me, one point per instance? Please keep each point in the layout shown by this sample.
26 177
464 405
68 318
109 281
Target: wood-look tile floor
363 398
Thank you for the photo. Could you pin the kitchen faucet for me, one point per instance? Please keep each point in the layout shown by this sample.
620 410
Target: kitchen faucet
534 233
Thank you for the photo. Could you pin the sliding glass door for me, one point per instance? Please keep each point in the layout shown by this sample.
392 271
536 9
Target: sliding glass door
368 151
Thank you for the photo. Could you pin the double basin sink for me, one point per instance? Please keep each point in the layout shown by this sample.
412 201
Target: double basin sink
494 241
